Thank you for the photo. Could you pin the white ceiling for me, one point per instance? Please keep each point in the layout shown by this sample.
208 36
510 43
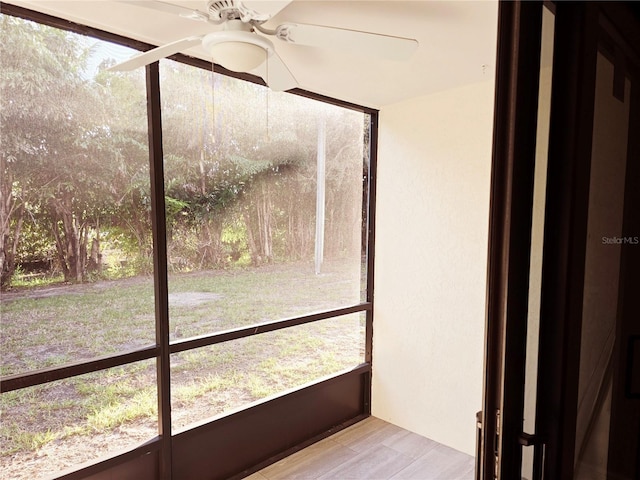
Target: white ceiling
457 41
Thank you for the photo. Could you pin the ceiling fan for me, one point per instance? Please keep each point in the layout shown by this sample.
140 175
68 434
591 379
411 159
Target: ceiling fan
243 44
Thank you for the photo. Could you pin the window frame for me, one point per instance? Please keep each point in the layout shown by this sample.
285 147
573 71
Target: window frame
162 350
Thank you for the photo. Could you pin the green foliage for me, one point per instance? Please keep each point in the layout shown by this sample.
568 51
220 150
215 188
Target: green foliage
239 164
173 207
37 242
30 280
69 158
234 240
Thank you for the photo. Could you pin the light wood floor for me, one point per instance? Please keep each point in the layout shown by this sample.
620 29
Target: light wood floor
372 450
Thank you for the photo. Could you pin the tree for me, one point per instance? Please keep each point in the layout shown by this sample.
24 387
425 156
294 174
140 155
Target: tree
64 146
237 157
211 157
126 150
236 153
41 68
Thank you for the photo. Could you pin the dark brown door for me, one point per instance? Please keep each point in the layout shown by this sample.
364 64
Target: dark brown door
563 311
586 415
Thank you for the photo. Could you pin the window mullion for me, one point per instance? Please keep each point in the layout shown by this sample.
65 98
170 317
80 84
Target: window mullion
159 227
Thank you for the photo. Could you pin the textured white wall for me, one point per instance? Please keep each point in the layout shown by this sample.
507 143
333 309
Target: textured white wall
431 249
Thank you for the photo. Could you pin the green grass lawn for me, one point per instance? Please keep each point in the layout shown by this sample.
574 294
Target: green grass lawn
56 325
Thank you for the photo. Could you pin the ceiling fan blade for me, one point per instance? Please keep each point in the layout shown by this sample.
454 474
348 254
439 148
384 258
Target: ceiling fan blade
156 54
268 7
169 8
276 74
385 46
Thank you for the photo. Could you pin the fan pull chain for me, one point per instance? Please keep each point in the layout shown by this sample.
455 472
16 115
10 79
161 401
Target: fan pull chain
213 102
267 89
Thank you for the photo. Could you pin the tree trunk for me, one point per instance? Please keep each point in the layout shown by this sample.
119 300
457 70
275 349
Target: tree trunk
9 249
60 248
264 220
251 241
8 242
83 240
210 248
139 226
72 245
95 260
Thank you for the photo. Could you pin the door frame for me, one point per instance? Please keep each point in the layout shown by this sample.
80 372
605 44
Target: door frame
578 30
564 248
511 201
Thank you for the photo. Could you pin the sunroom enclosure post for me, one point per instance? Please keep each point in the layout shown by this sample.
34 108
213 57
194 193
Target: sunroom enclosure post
159 231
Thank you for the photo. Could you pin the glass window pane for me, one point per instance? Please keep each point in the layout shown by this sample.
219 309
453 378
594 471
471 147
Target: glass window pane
50 428
537 234
264 195
75 235
215 380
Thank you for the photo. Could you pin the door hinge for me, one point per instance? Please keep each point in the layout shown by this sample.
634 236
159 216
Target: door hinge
496 449
479 461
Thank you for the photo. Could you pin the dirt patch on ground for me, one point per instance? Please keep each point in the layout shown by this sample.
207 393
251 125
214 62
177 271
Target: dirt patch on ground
70 453
191 299
68 288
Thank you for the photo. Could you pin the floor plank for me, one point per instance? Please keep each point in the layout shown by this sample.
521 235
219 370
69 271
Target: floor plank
410 443
439 463
378 462
310 463
256 476
366 434
372 450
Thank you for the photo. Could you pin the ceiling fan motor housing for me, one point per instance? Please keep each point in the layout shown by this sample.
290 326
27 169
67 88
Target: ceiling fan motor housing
233 10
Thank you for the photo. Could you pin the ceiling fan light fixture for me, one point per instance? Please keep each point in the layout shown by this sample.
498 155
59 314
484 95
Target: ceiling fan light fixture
238 51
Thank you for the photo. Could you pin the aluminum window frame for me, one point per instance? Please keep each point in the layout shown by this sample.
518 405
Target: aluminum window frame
163 348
